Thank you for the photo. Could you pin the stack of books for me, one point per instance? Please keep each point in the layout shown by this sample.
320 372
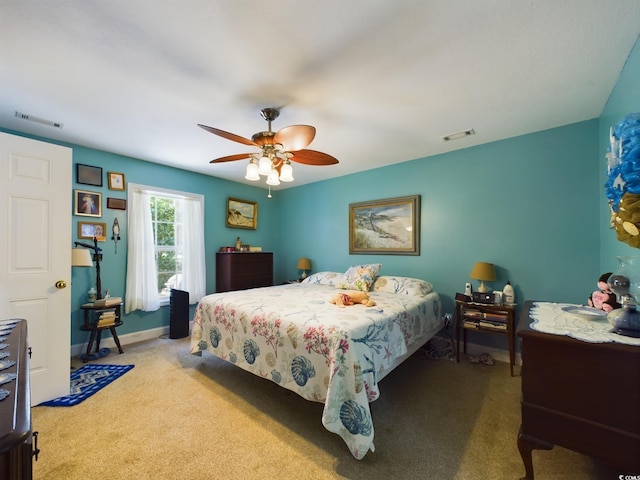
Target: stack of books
488 320
107 317
107 302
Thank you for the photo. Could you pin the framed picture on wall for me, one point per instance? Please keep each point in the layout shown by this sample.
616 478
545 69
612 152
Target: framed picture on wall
87 204
390 226
116 203
89 175
92 229
242 213
116 181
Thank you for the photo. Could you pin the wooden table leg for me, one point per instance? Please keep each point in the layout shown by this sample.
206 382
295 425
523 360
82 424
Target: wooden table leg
92 338
98 338
116 339
526 444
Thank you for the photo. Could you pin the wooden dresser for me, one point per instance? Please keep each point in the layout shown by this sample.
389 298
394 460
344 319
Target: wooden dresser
16 438
239 271
579 395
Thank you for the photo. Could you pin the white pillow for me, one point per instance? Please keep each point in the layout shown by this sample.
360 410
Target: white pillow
402 286
324 278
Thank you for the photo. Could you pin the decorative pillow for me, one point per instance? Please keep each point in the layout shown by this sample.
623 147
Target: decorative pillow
324 278
402 286
360 277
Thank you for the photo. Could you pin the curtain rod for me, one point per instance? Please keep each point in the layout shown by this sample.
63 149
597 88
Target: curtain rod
163 191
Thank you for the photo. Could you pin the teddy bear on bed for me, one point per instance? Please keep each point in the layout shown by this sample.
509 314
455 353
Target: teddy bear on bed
352 297
604 299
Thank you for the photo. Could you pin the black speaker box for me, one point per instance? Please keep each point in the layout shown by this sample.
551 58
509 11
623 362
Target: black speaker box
179 314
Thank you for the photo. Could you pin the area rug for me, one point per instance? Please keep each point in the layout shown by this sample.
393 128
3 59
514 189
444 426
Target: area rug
86 381
440 347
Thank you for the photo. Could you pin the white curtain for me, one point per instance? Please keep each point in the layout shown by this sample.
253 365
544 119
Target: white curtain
193 256
142 277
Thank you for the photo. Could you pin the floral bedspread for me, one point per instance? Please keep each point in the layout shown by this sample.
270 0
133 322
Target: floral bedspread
292 335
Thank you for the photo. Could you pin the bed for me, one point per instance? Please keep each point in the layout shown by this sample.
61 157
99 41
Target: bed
292 335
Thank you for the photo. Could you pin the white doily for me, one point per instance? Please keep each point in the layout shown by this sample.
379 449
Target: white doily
550 318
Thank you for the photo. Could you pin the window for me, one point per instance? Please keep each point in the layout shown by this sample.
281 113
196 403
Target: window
167 234
165 247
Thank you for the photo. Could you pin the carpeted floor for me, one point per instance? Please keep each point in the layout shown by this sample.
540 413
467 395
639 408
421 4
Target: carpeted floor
179 416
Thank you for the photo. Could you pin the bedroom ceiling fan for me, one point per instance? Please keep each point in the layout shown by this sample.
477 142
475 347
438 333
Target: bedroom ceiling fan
277 150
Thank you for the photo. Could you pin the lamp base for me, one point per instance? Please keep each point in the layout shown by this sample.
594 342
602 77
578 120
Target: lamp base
483 288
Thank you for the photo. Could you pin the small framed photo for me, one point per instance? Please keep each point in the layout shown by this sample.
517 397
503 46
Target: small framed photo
87 204
242 213
116 203
89 175
92 229
116 180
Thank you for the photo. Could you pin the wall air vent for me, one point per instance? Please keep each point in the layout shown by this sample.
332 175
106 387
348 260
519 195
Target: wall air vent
456 136
41 121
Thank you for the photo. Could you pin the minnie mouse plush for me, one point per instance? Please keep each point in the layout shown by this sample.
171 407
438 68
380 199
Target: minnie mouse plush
604 299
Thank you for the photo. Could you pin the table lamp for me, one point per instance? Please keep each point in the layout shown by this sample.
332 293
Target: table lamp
82 260
483 271
304 264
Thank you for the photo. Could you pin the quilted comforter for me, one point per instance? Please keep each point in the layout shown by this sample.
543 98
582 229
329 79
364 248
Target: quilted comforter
292 334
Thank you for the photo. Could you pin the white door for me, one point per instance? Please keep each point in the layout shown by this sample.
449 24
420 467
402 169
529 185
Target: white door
35 253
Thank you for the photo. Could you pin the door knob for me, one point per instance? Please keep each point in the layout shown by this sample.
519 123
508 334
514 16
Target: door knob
61 284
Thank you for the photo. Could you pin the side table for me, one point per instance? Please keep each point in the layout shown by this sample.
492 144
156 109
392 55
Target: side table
92 324
486 318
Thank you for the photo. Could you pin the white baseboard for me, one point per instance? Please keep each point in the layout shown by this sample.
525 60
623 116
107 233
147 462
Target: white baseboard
125 339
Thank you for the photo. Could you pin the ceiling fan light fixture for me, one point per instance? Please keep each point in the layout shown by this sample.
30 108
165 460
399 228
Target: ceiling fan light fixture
264 166
272 179
252 172
286 172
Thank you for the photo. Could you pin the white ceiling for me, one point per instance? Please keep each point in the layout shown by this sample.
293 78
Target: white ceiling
382 81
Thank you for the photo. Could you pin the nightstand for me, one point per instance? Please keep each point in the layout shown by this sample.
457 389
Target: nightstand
97 319
485 318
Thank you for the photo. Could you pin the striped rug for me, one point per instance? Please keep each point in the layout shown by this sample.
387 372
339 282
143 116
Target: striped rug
86 381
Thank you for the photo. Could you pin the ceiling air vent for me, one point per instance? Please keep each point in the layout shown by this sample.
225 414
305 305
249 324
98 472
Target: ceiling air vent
456 136
41 121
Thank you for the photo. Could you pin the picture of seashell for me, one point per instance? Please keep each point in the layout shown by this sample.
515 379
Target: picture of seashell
355 418
302 370
292 332
250 351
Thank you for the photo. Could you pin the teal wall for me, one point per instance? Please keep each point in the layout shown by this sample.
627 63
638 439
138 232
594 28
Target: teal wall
527 204
533 205
624 99
113 266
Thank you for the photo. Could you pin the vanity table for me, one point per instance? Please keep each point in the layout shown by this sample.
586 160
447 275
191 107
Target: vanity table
580 395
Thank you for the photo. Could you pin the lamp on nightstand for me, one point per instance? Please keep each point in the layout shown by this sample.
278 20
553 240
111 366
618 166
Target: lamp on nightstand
483 271
304 264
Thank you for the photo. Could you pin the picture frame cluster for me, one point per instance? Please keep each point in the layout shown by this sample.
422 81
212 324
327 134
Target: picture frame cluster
87 203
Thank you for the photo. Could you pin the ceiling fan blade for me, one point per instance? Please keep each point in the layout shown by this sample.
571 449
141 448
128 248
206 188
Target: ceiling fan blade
229 136
295 137
231 158
311 157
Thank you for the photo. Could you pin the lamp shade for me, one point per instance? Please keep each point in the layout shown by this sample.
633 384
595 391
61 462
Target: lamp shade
483 271
81 257
304 264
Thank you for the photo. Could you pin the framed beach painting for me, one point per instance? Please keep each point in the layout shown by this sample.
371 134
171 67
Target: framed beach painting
241 213
388 227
